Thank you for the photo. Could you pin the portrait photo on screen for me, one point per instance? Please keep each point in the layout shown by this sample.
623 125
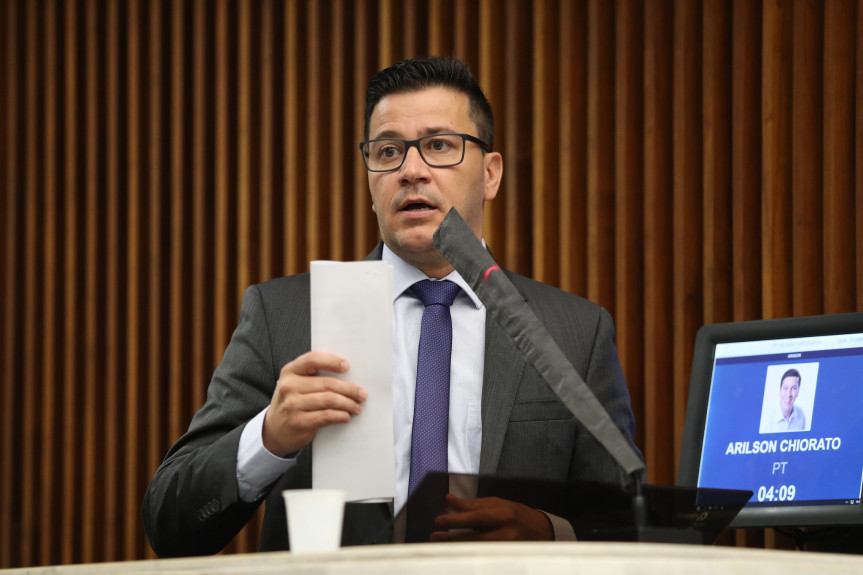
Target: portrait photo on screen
789 397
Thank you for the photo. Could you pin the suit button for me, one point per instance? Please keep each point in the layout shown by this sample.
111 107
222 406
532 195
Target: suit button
209 509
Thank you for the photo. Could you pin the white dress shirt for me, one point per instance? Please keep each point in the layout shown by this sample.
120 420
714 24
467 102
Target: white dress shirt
257 468
797 421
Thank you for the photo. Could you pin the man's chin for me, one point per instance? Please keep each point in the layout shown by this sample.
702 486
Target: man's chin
416 240
410 251
414 249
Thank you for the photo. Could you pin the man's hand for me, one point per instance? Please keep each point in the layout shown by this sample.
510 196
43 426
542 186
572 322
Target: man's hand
304 402
491 519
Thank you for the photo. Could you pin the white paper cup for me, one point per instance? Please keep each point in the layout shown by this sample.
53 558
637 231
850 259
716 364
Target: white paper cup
314 519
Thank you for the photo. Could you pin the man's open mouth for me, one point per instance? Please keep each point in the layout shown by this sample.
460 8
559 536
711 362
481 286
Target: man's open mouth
415 206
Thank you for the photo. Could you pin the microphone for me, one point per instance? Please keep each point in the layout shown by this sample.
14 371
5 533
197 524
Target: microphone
460 246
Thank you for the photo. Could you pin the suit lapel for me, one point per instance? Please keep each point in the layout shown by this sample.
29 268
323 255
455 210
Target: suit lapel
504 367
377 253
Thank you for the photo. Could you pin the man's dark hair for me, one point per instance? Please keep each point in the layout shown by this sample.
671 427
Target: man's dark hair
791 373
432 72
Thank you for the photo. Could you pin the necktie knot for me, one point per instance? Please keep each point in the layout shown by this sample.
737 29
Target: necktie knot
436 292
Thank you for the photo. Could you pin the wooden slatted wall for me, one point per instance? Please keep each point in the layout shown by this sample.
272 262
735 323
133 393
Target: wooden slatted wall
677 161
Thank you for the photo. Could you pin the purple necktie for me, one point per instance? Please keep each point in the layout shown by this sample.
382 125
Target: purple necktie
431 406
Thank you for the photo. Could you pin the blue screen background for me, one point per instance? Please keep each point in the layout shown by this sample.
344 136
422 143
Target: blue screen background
734 414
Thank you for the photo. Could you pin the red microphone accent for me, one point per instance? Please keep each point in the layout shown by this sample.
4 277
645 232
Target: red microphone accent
488 271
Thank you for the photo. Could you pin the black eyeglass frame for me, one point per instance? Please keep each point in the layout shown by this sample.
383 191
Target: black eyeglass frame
415 144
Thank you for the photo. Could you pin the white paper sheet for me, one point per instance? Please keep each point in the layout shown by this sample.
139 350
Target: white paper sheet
352 317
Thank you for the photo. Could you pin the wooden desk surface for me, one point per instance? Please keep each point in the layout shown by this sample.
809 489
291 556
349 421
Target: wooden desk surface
497 558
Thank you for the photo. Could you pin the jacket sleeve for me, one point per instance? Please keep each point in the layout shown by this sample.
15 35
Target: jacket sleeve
192 506
604 376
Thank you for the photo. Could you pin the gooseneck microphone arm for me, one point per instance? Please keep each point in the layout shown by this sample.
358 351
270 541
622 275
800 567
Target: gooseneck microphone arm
460 246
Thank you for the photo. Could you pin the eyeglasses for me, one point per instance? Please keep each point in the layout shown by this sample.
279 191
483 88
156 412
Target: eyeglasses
436 150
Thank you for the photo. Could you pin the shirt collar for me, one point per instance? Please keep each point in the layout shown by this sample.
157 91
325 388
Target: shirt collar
780 417
405 275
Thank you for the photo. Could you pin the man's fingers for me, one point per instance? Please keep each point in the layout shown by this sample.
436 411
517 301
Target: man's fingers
296 377
476 519
324 401
459 504
312 362
491 519
322 384
322 418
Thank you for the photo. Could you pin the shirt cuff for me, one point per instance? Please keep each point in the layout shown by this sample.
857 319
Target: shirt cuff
562 528
257 468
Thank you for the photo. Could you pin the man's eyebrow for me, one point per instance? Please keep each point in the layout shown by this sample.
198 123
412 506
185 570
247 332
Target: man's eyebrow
386 134
424 132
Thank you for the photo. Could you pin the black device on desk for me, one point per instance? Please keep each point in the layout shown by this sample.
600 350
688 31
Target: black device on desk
805 469
596 511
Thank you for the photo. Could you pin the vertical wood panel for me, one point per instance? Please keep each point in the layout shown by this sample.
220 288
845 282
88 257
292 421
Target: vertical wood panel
717 162
9 283
839 69
687 202
465 42
439 35
176 324
658 250
48 373
92 347
514 143
776 146
266 206
200 245
412 29
629 197
243 139
386 42
292 214
545 183
858 156
311 138
572 145
491 77
600 153
336 222
365 225
30 398
112 533
71 381
806 154
154 264
746 159
133 446
221 223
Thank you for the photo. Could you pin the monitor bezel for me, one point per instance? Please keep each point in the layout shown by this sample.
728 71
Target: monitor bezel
699 394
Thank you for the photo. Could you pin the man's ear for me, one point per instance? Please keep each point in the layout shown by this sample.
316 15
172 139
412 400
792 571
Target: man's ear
493 163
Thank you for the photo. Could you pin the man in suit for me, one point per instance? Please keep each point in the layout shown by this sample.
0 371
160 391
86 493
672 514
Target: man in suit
429 139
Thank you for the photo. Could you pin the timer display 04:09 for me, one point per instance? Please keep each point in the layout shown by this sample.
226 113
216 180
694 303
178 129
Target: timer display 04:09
781 493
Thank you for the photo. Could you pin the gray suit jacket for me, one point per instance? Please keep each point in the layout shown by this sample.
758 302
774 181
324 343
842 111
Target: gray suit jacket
192 505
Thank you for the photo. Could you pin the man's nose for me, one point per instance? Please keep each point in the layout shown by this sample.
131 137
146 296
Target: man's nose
414 167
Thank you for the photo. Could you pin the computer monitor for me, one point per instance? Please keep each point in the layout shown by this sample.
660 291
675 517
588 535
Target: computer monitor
776 407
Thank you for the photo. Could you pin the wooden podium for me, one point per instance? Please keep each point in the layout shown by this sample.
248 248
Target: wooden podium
499 558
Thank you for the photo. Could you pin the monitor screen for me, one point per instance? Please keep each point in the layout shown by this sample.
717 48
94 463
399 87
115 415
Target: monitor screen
776 407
